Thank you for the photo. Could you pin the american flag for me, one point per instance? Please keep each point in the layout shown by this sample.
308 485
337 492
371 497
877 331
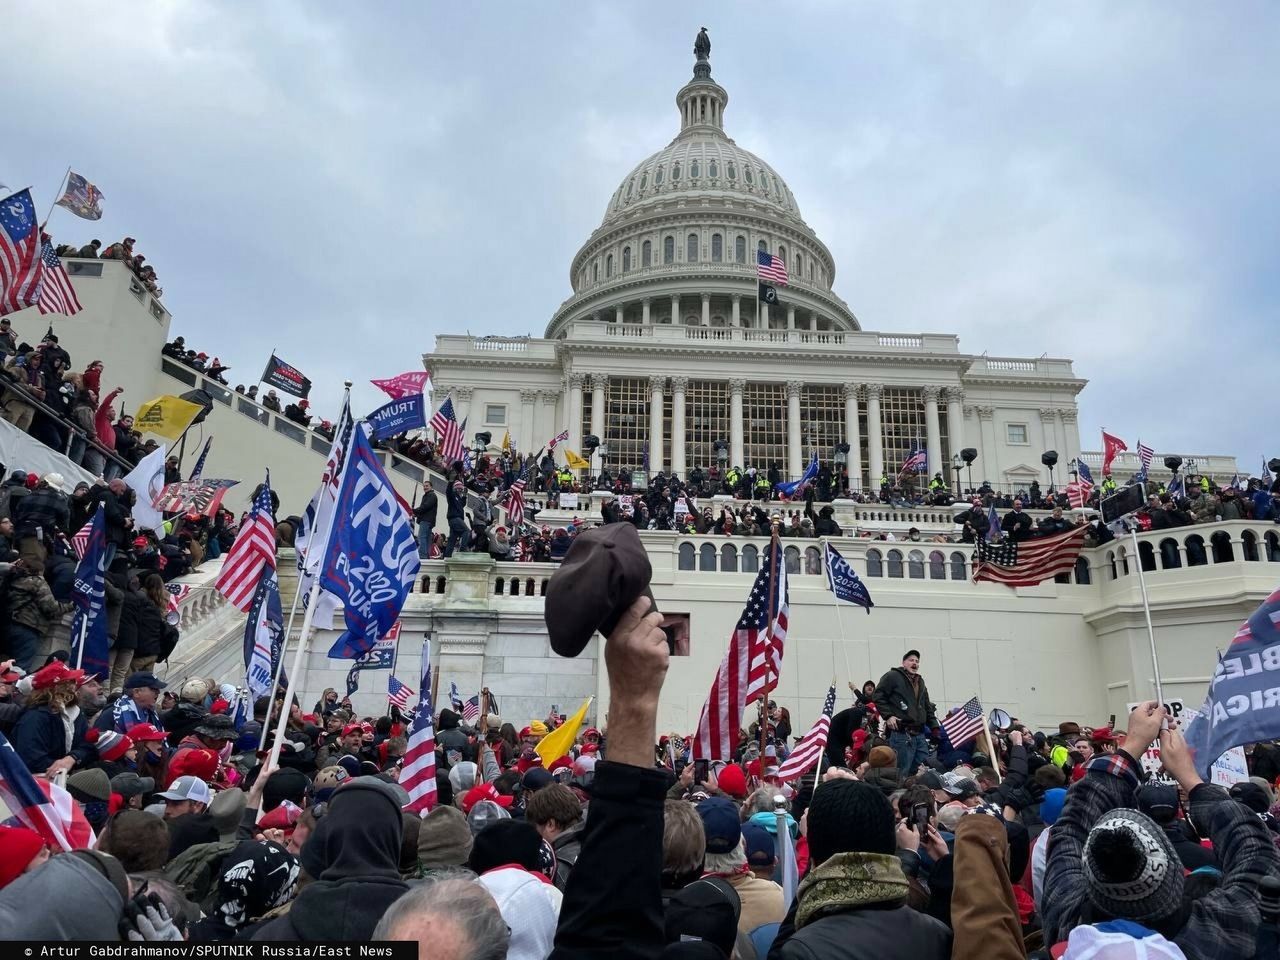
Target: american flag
455 698
1026 563
809 748
1084 477
398 693
918 460
751 663
445 424
20 262
56 293
198 469
42 805
1145 456
418 776
177 593
560 437
80 542
965 724
515 502
255 547
1078 494
771 269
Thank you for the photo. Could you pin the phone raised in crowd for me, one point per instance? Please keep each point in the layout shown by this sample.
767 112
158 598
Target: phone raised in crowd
700 771
920 818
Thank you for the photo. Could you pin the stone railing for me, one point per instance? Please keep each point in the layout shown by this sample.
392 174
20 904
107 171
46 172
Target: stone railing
860 340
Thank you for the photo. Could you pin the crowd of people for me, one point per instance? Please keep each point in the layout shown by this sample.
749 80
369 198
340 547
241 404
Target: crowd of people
123 250
1017 844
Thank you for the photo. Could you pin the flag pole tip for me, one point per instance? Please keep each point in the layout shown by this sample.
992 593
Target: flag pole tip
347 384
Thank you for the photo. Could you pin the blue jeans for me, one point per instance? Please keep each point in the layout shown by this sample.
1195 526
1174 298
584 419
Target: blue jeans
459 537
911 750
424 540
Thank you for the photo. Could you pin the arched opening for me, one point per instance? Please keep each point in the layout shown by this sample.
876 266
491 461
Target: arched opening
685 560
440 584
1169 557
895 563
498 585
728 559
799 271
528 587
937 565
959 568
782 253
792 559
1122 554
717 247
1082 571
1196 555
626 259
875 566
761 245
915 565
595 272
668 249
691 248
513 588
1249 541
1147 556
646 253
1273 547
812 561
608 266
1111 563
750 559
1223 551
707 557
740 250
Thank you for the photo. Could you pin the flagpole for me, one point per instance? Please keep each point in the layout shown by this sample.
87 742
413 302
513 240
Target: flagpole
293 675
57 195
1146 610
991 751
84 630
395 657
777 561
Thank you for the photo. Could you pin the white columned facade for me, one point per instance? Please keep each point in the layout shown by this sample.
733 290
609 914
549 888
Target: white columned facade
791 317
1048 429
933 432
524 439
598 384
678 386
955 419
735 422
852 436
875 438
462 407
545 420
737 310
706 309
675 309
764 315
644 307
575 411
1071 434
794 446
656 461
618 314
990 462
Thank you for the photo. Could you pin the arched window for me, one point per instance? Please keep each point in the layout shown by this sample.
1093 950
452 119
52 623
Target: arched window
691 248
761 245
746 171
513 588
799 264
764 181
1222 549
713 170
733 170
728 558
675 171
915 565
657 177
791 559
528 587
1111 564
1273 547
608 266
740 250
959 569
1147 556
717 247
595 271
782 253
695 169
937 565
498 584
646 253
685 561
874 566
644 181
810 269
812 561
1196 556
630 186
750 559
707 557
626 259
668 249
440 584
895 563
1122 554
1169 558
1249 540
1082 571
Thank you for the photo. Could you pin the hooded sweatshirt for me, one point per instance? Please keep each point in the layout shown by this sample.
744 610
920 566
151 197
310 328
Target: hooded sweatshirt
76 903
356 848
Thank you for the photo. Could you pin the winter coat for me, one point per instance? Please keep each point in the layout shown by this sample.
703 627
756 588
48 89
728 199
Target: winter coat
425 511
984 913
152 629
77 902
887 780
31 603
44 507
127 634
102 420
897 697
567 847
181 720
40 738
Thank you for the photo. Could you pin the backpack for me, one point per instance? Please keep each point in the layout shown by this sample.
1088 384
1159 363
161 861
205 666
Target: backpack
197 871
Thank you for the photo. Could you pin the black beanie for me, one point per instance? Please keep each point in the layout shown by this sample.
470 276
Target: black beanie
504 842
847 816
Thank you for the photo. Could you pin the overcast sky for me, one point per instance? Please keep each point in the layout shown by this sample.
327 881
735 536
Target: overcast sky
343 182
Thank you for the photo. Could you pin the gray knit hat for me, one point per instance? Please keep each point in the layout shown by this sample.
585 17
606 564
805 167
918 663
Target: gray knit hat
1131 868
444 839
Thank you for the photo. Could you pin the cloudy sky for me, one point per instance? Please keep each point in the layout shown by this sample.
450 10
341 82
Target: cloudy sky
344 182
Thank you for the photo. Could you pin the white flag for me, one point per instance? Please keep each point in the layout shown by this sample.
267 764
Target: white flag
147 481
312 536
787 862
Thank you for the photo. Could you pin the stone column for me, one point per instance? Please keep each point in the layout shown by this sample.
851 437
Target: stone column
575 412
618 313
656 385
675 309
852 436
875 438
990 462
736 445
678 386
955 419
737 310
706 309
1070 433
644 306
546 423
764 315
794 439
599 383
462 406
933 433
525 442
1048 417
791 317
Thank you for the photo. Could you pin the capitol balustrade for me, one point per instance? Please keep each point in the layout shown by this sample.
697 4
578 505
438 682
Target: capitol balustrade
668 334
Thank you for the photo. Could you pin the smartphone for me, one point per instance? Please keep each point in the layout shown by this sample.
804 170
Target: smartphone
920 818
700 771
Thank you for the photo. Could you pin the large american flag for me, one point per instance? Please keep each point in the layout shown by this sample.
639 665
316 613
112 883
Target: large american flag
560 437
56 293
1145 456
1078 493
917 460
1028 562
810 747
750 664
771 269
255 548
1084 477
515 501
43 806
399 693
965 724
20 262
418 776
445 424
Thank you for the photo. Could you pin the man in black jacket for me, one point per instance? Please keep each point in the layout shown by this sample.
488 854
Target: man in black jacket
1016 523
903 701
425 514
455 496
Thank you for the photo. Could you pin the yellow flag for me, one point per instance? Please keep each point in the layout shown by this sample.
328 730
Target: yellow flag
574 461
557 743
166 416
506 441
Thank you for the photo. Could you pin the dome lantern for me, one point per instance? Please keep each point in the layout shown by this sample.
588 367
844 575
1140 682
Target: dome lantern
702 100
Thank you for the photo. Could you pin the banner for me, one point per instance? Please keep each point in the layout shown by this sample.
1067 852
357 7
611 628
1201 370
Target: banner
398 416
404 385
682 508
147 481
263 635
383 654
284 377
1151 759
82 198
166 416
568 501
92 654
575 462
203 495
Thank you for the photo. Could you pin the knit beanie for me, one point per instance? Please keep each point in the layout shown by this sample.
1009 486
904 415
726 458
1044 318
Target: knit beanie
18 847
91 784
444 839
732 781
506 842
882 757
1131 870
1052 804
112 745
849 816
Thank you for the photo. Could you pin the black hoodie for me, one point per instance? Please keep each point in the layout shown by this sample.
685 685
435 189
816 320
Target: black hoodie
450 737
358 841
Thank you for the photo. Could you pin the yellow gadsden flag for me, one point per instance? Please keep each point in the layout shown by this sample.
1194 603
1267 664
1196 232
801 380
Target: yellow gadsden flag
575 462
557 743
166 416
506 442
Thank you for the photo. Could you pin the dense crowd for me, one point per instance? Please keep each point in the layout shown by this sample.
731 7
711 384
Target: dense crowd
896 843
137 263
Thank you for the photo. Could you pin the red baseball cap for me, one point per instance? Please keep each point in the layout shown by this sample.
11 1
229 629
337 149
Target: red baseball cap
145 733
485 791
55 673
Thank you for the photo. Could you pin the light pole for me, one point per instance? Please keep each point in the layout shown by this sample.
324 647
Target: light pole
957 465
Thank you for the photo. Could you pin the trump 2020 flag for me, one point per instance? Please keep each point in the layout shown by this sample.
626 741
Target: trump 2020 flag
371 559
844 581
404 384
1238 707
810 474
263 634
90 647
398 416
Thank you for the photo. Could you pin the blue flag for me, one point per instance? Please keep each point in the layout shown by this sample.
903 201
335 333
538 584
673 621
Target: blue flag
810 474
90 647
398 416
1083 473
263 635
353 679
371 559
198 469
844 581
993 524
1175 486
1238 708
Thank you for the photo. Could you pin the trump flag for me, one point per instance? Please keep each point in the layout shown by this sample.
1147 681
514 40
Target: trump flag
90 645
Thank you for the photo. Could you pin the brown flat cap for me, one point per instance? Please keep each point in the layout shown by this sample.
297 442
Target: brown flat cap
1068 728
603 573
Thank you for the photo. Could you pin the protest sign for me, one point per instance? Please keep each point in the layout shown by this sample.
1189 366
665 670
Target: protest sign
568 501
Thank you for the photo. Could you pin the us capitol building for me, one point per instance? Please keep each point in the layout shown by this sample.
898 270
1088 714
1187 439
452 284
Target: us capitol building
664 348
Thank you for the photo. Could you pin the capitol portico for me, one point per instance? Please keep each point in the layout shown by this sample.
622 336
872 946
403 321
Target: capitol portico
664 348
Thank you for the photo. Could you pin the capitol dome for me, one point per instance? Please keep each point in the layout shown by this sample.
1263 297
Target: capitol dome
680 237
